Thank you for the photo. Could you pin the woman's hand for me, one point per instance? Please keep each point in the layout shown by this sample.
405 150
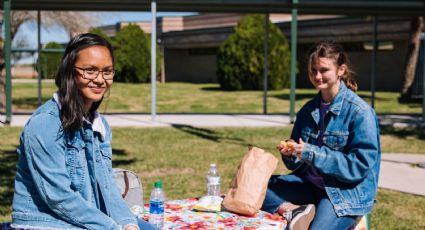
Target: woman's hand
289 147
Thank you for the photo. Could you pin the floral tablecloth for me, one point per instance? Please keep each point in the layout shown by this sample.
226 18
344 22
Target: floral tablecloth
179 215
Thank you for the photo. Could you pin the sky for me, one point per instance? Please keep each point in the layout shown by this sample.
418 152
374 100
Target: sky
27 33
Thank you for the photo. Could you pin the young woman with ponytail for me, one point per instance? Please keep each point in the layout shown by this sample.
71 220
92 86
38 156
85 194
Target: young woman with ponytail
334 151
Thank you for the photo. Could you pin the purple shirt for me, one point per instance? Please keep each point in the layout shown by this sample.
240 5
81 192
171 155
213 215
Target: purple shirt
312 174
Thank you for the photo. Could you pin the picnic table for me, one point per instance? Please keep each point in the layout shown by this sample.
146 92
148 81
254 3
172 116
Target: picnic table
179 215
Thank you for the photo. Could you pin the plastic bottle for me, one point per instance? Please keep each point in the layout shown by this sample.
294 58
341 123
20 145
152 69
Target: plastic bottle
156 206
213 181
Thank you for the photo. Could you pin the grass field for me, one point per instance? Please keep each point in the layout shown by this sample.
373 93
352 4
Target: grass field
180 156
198 98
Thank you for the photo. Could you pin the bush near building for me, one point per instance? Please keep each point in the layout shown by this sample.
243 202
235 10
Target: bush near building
240 58
132 55
50 61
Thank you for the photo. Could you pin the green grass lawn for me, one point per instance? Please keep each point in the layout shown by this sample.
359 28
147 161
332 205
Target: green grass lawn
198 98
180 157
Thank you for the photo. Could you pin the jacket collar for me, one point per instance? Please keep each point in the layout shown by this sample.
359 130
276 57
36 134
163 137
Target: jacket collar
336 104
97 125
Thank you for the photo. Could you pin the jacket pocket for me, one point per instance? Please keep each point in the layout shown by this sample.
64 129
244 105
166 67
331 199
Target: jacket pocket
76 163
106 152
335 139
308 136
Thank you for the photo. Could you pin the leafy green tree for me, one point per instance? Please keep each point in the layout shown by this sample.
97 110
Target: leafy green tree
132 55
50 61
240 59
100 32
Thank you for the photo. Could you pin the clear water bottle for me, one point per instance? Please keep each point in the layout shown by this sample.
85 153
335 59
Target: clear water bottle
213 181
156 206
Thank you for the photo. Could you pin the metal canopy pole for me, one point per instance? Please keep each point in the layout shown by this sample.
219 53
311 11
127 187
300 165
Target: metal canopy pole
7 51
153 60
293 59
266 64
39 57
373 69
422 38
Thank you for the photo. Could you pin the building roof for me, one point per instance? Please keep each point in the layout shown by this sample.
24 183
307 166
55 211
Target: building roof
352 7
310 30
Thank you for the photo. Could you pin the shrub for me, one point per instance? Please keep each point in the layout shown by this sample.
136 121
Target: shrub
132 55
240 59
50 61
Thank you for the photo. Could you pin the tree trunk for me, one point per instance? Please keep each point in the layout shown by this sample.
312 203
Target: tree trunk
412 58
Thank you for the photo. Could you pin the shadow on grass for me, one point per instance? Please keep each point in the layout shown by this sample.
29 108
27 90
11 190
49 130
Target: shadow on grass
212 88
122 163
403 132
8 160
208 134
118 152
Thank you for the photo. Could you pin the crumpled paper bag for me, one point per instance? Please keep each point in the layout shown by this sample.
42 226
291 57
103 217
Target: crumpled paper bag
248 188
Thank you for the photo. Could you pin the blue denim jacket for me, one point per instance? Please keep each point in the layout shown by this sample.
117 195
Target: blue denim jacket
349 159
66 181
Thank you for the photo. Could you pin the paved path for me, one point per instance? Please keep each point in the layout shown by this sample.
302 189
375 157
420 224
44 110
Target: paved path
198 120
398 171
220 120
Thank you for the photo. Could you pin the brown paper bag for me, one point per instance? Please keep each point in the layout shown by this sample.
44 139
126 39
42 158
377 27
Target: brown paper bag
248 188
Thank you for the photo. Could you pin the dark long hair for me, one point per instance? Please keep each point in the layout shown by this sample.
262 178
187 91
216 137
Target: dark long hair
333 50
72 102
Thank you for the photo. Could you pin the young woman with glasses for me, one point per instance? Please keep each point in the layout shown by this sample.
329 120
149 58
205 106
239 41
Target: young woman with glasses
64 176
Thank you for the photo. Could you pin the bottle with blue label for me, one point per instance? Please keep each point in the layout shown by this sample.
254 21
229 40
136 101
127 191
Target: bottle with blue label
156 206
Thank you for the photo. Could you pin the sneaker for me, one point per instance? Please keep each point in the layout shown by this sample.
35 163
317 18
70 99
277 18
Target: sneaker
302 217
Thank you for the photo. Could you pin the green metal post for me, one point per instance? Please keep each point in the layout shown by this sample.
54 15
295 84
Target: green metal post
423 76
266 62
293 59
39 57
7 51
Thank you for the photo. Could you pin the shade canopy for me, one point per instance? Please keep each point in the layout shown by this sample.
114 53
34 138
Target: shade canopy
349 7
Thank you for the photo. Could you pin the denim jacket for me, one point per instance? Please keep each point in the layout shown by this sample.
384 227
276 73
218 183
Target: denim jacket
349 158
66 181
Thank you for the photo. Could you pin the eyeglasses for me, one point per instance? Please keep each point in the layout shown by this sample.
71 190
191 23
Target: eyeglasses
91 74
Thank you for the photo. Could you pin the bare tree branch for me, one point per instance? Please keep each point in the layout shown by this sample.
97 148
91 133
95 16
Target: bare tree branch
72 21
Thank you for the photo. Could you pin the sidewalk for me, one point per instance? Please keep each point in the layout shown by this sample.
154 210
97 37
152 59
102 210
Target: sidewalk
220 120
198 120
398 171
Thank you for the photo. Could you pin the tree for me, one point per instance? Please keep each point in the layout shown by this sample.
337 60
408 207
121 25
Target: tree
100 32
132 55
73 22
417 26
50 61
240 58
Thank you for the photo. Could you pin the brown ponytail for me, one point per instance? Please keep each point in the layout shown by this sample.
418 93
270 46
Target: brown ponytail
333 50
